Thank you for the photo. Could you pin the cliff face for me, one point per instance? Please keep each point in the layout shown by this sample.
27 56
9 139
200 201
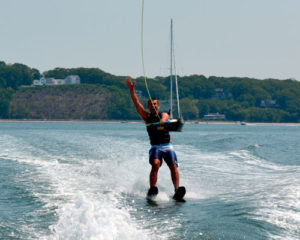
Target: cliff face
63 102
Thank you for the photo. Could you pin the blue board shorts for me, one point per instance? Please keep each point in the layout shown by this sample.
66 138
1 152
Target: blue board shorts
163 151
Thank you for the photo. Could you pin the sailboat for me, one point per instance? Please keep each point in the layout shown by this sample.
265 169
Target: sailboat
175 124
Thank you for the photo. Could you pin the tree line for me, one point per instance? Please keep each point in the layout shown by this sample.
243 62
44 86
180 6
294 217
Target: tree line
102 95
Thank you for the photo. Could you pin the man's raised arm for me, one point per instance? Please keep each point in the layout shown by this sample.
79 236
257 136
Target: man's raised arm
139 107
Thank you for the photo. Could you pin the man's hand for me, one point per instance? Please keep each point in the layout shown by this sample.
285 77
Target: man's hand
164 118
129 83
139 107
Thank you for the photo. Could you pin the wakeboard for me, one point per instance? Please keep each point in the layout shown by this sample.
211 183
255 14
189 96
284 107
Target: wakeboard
179 194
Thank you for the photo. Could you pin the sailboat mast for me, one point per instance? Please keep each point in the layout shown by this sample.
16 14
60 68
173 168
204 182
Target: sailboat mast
171 69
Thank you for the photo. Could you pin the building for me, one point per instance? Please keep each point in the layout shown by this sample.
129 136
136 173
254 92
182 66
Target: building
139 93
71 79
219 93
268 103
214 116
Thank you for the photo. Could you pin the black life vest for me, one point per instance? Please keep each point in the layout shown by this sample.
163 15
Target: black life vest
157 133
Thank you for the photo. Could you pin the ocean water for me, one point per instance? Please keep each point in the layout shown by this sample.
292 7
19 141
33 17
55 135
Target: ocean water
89 181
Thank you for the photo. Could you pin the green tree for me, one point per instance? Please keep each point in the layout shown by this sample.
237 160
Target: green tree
236 113
189 109
5 97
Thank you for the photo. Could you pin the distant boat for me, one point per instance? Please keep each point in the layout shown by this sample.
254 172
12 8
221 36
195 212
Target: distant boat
243 123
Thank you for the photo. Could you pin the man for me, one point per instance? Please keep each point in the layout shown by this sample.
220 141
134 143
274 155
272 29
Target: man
161 144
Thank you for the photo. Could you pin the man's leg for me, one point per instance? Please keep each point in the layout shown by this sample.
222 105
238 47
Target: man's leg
154 171
174 175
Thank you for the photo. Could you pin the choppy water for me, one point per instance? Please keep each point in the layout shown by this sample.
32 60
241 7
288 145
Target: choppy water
89 180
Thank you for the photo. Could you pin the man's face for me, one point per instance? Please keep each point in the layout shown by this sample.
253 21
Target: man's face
154 106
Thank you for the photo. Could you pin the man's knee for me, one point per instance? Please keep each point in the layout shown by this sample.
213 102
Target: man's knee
155 164
173 166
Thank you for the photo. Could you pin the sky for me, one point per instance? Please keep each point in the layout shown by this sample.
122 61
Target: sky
232 38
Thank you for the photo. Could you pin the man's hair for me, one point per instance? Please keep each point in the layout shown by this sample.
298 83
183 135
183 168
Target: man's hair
152 99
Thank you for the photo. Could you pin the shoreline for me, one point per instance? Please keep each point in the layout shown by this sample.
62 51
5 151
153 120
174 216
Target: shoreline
140 121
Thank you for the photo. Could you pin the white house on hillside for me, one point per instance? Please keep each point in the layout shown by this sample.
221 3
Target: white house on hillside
71 79
214 116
